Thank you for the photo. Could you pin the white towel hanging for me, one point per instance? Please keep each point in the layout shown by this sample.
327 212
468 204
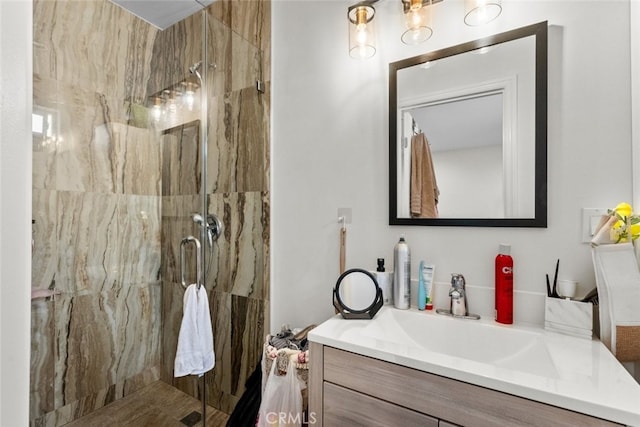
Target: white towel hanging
195 354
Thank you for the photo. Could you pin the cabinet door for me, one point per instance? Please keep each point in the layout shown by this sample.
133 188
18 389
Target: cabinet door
447 424
344 407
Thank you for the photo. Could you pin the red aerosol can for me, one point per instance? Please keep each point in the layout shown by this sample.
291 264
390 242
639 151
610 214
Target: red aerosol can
504 285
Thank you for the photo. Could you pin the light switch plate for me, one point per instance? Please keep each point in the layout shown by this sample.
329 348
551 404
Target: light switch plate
590 219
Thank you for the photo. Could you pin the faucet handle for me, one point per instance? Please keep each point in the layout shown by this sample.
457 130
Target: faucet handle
457 280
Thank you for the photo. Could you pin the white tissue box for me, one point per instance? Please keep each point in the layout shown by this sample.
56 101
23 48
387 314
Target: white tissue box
569 317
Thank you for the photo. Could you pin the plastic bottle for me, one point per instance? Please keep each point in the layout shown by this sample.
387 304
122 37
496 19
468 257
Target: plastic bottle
504 285
401 275
385 281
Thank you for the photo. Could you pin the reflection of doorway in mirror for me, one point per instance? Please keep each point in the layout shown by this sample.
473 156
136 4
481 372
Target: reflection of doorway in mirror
470 135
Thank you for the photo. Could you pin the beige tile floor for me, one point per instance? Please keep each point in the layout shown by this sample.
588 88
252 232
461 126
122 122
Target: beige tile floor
156 405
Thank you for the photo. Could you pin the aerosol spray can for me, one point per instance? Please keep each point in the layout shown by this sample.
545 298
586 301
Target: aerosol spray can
401 275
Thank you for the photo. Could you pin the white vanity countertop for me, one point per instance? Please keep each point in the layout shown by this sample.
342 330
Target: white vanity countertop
560 370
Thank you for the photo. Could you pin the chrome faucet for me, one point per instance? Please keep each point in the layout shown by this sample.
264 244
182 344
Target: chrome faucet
458 305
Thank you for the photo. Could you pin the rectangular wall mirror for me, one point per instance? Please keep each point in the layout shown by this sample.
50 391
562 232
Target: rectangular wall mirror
468 133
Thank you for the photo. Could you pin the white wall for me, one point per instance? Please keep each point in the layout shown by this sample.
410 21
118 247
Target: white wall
635 86
15 209
634 18
470 181
330 131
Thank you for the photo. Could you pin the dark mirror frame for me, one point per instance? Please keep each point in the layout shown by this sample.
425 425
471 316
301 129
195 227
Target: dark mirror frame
540 32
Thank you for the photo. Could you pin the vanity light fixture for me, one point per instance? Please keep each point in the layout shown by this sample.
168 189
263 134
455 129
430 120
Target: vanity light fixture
479 12
417 17
362 42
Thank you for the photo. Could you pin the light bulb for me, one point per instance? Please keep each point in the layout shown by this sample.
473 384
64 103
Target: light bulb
361 31
415 19
362 37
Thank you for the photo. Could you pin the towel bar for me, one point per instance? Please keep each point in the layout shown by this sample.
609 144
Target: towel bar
183 243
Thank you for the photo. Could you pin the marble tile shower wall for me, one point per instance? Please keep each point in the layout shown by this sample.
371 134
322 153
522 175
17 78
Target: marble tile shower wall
97 206
237 192
110 195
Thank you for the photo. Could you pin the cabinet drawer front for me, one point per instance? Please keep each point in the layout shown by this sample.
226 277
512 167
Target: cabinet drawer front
442 397
343 407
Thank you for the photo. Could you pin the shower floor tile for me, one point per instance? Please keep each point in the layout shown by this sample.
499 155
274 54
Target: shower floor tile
157 405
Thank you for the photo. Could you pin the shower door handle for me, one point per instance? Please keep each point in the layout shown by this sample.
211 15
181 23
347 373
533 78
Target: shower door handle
183 244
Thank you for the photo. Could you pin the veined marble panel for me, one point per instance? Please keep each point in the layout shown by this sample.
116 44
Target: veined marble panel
181 162
219 52
138 165
247 339
139 228
43 343
86 347
252 139
43 54
176 225
250 19
238 260
86 154
246 64
88 253
45 105
95 52
175 50
239 63
45 253
220 381
96 149
237 143
172 300
105 339
137 329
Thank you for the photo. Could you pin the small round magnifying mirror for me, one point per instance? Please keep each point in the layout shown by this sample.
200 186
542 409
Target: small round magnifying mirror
357 295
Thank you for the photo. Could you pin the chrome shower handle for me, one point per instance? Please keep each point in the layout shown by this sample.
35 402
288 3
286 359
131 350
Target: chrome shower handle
183 244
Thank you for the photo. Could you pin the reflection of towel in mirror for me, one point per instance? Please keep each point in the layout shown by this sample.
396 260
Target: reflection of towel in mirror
195 355
424 188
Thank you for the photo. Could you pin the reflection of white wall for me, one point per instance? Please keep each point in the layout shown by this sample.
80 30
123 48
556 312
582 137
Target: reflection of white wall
470 181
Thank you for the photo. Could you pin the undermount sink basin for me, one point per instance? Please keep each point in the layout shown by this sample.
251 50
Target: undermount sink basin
431 336
481 341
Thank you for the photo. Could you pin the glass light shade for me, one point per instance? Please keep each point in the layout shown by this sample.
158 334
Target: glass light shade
362 36
417 24
479 12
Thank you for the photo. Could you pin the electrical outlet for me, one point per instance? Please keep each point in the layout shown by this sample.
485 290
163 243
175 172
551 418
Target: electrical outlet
590 220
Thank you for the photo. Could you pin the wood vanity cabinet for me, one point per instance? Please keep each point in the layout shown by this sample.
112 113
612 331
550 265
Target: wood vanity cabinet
350 389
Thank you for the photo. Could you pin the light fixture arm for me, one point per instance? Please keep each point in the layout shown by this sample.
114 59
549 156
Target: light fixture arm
407 4
352 12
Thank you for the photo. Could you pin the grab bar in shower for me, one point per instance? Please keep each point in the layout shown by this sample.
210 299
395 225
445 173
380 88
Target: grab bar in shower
183 244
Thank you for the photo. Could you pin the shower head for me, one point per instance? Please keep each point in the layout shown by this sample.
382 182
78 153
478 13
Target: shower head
194 70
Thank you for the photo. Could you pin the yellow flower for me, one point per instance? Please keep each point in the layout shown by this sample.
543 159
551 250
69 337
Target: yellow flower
627 226
624 209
